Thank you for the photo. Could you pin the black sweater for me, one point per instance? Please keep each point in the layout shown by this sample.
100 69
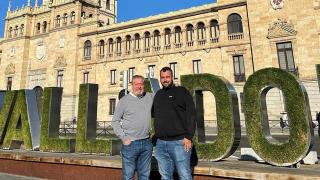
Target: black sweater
174 114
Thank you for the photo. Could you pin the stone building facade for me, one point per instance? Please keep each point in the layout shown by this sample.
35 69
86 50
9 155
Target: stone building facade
68 42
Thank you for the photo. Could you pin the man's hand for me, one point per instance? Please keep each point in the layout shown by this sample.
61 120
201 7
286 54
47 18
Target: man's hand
126 142
187 144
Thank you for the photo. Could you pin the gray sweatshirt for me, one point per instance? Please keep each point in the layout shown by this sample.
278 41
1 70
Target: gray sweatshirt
132 117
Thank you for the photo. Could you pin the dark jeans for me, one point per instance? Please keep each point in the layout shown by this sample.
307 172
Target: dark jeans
170 154
136 157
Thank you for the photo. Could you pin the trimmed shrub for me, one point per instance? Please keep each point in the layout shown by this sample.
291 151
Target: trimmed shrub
87 122
50 121
5 112
147 85
228 120
17 131
296 148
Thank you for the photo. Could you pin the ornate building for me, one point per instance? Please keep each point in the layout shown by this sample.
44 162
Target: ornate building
68 42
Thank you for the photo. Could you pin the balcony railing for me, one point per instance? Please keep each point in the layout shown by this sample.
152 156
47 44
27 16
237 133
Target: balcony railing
201 41
147 49
235 36
214 40
190 43
101 56
178 45
167 46
137 51
239 77
156 48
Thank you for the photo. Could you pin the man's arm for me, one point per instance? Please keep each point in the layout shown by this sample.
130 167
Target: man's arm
191 115
116 121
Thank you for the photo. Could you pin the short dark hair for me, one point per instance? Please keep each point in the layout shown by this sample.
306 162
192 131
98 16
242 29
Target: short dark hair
164 69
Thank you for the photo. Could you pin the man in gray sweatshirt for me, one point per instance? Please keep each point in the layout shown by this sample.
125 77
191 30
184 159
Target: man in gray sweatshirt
131 122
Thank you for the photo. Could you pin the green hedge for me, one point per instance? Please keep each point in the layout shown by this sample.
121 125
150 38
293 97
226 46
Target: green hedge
279 154
19 112
228 121
49 139
5 112
147 85
85 142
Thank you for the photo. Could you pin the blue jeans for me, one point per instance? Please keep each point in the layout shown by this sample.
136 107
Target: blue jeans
170 154
136 157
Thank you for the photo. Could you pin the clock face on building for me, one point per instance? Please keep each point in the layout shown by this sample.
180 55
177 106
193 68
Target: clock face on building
40 51
277 4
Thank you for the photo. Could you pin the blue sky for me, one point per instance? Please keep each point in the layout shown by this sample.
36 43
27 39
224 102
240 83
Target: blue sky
127 9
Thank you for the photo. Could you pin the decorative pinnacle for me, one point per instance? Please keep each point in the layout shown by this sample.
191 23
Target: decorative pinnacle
9 5
29 3
36 3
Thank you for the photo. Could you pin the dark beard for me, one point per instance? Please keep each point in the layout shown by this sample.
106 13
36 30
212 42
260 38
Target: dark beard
169 86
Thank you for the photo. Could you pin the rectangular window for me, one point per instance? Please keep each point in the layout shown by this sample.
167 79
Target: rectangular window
86 77
151 71
113 77
131 74
9 83
112 106
174 68
196 66
239 70
60 78
285 56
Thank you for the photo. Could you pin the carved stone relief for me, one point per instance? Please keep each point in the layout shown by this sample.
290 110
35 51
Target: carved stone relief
10 69
60 62
281 28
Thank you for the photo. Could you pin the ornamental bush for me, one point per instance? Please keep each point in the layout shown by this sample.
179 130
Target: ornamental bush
50 122
87 122
227 109
295 96
6 109
18 125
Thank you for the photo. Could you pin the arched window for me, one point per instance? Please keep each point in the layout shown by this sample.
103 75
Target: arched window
128 44
137 42
45 24
177 35
10 31
58 21
119 41
21 29
189 33
73 17
87 49
38 28
110 47
201 31
65 19
167 37
108 5
214 29
101 49
16 30
156 38
234 24
147 41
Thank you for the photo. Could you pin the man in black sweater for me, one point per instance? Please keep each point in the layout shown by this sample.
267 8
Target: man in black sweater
174 113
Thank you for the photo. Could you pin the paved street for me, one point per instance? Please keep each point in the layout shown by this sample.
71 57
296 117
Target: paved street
4 176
